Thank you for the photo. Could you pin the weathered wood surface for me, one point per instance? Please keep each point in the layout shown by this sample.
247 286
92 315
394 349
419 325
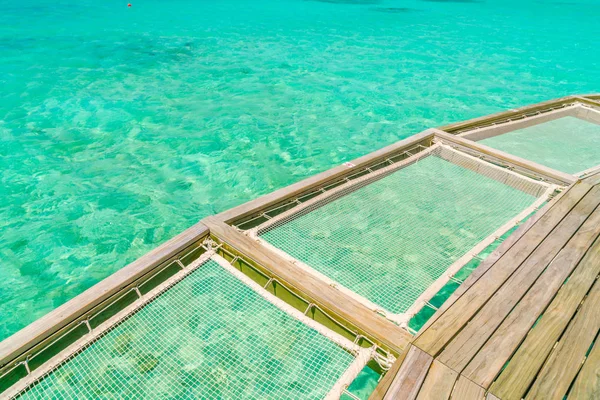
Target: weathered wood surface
331 299
492 258
467 390
439 382
523 326
448 324
41 329
518 375
386 381
408 381
271 199
488 361
587 384
539 169
463 347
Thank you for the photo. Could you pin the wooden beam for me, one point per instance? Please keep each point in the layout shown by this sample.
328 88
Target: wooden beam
439 382
505 115
542 170
37 332
271 199
564 362
465 345
524 365
490 359
407 382
385 382
448 324
332 300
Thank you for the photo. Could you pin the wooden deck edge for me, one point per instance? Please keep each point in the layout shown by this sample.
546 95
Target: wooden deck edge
384 383
504 115
40 330
367 322
561 177
278 196
411 375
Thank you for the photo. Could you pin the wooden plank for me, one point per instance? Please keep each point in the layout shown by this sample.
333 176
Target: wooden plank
315 181
467 390
492 258
564 362
488 361
35 333
539 169
587 383
462 348
504 115
385 382
408 381
435 338
490 396
524 365
438 383
377 327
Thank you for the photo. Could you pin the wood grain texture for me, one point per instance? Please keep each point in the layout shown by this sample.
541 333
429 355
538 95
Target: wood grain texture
467 390
516 378
492 258
490 358
443 330
409 379
38 331
332 300
564 362
439 382
587 383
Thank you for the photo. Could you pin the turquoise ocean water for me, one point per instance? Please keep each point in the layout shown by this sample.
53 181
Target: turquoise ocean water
120 127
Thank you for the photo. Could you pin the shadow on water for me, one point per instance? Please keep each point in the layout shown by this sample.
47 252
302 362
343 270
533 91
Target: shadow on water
394 10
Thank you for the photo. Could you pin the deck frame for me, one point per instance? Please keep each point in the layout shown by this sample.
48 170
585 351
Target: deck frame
38 335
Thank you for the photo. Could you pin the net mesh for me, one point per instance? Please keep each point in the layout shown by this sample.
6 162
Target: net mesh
388 241
566 144
210 337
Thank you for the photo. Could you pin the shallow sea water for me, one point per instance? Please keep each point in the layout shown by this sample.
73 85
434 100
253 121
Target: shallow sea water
120 127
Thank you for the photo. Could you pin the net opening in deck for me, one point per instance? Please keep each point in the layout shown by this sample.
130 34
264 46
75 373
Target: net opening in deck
212 332
394 238
565 140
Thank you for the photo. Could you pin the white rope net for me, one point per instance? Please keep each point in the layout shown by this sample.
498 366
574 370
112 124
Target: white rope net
390 236
212 335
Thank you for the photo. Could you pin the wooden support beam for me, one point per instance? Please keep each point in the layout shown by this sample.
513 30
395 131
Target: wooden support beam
36 333
332 300
271 199
549 173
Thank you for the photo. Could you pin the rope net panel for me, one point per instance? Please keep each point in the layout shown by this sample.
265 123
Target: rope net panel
566 144
389 240
209 336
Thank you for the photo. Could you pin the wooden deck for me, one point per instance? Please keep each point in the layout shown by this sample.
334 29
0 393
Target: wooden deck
526 322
